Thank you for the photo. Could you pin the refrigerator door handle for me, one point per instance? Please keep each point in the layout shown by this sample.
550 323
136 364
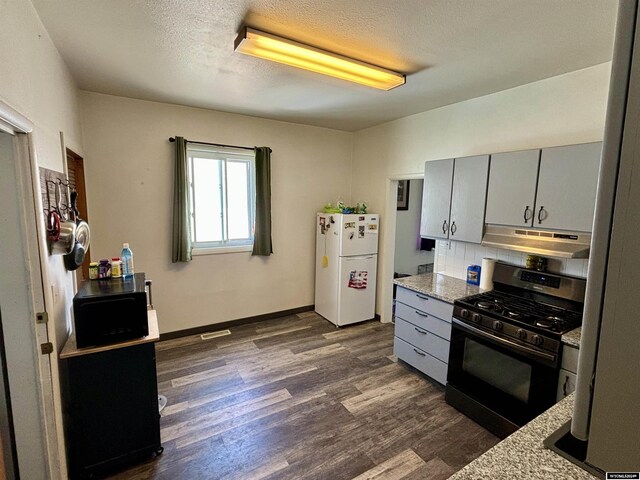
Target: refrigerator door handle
353 257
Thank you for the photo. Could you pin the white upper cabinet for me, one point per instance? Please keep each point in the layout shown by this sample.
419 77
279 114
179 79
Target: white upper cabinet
468 198
436 199
567 187
454 197
511 194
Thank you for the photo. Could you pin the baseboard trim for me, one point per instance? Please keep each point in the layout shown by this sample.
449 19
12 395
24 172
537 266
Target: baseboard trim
233 323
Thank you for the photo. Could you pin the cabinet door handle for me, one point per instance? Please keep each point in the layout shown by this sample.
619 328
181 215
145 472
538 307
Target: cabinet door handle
420 331
444 227
566 384
540 215
421 314
421 297
419 352
453 228
526 214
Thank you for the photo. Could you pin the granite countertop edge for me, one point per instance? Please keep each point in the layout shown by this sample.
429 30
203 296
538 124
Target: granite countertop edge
572 338
523 455
438 286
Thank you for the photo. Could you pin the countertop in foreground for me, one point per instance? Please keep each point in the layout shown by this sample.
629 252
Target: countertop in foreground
572 338
522 454
437 285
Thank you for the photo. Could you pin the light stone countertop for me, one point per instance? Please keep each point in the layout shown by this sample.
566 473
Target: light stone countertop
439 286
449 289
522 454
572 338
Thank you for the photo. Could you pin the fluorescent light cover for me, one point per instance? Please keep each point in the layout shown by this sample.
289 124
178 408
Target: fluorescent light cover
264 45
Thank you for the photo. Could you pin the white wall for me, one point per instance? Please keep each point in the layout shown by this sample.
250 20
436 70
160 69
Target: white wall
407 250
129 168
35 81
560 110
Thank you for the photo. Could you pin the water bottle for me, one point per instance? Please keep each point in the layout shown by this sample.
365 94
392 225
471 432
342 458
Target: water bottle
127 261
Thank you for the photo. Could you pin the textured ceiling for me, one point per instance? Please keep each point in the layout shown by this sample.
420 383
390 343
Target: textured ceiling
180 51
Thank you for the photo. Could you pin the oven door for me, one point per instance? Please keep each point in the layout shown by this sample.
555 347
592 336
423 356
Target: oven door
500 377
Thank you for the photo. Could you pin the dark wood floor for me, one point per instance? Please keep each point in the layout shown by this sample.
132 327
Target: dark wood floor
296 398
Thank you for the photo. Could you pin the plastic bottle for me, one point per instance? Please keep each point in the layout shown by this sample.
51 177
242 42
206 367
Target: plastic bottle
104 269
116 267
93 271
127 261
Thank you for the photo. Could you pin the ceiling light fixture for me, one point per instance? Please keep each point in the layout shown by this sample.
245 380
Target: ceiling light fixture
277 49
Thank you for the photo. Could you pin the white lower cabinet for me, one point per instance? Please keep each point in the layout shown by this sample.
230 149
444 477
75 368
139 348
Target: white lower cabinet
568 370
424 362
422 334
566 384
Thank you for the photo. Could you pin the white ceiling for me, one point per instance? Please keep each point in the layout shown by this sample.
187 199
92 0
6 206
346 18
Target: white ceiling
181 51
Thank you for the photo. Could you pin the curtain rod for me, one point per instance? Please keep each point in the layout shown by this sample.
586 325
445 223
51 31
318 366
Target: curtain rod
172 139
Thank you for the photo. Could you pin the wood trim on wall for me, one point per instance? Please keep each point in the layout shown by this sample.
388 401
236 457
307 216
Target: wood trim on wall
75 174
233 323
241 321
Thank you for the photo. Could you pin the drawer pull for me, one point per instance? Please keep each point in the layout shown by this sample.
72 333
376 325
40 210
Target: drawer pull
422 314
421 297
420 331
419 352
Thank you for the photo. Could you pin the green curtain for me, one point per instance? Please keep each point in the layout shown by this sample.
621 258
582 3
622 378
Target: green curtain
181 248
262 244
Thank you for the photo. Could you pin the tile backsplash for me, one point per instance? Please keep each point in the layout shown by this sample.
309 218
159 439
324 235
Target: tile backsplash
452 259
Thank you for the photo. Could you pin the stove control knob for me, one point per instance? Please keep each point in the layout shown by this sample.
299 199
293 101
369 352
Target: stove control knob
476 317
522 333
464 313
537 340
497 325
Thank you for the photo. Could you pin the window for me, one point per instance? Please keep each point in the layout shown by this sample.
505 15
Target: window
222 183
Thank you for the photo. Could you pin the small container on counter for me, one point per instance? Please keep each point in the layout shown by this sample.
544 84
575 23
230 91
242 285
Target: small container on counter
104 269
116 267
535 262
532 261
473 274
93 271
541 265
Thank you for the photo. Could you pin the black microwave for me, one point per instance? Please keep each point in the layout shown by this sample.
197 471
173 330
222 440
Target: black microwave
110 311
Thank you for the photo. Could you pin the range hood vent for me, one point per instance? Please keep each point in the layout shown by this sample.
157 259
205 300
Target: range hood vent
539 242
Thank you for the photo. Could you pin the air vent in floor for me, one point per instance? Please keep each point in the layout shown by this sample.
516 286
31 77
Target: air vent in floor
210 335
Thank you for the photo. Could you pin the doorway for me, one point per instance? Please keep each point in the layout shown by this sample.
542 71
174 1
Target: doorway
75 174
8 455
413 254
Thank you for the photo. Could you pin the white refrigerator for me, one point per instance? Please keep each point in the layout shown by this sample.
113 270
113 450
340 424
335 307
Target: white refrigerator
607 407
346 261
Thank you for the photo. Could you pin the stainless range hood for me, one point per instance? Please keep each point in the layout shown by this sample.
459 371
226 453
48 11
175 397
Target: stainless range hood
539 242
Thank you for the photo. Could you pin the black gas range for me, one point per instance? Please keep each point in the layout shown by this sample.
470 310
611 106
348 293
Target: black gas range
506 346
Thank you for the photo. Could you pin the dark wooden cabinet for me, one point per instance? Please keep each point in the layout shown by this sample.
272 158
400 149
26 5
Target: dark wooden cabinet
111 405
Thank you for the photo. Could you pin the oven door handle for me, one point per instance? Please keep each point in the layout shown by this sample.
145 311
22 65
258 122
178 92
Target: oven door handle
546 358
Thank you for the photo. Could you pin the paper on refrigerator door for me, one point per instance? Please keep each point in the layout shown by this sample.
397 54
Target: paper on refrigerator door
358 279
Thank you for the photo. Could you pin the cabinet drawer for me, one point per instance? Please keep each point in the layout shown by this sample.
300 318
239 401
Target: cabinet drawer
424 320
423 339
569 358
566 384
424 362
424 303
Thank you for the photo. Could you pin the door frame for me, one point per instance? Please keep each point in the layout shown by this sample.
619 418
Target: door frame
80 187
387 251
36 253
